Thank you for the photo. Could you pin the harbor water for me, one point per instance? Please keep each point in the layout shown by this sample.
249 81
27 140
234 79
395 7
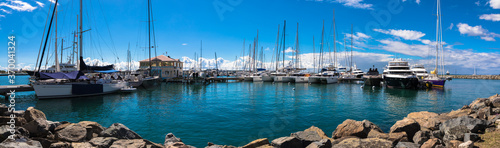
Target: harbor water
237 113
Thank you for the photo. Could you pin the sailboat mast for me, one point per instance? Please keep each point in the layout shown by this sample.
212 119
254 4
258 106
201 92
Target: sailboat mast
334 41
352 34
297 65
437 36
149 36
201 54
277 46
314 56
56 60
321 47
284 47
81 33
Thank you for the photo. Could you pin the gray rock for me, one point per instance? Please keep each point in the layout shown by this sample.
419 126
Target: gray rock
323 143
102 142
81 145
71 133
421 136
468 144
354 128
306 137
170 139
257 143
471 137
4 109
53 125
474 125
60 145
136 143
287 142
20 143
455 133
433 143
479 103
408 125
484 113
363 143
437 134
93 128
119 131
495 101
407 145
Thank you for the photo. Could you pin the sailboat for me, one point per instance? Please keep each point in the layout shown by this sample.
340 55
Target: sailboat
72 84
150 80
434 78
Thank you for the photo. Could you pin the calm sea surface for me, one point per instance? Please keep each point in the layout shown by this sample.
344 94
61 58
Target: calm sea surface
237 113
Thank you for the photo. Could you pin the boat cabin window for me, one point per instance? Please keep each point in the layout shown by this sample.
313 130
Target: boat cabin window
399 68
398 64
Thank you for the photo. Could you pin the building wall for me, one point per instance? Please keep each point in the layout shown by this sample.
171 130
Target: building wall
166 70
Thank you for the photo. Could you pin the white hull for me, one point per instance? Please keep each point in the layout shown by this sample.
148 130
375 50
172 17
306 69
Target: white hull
44 91
329 80
262 79
278 78
248 78
301 79
314 79
288 79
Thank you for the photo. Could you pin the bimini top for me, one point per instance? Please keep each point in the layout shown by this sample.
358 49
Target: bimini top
59 75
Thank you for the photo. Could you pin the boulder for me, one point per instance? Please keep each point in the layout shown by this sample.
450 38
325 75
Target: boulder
119 131
323 143
406 145
93 128
484 113
46 142
455 133
468 144
474 125
410 126
102 142
37 127
437 134
60 145
363 143
479 103
211 145
5 132
53 125
135 143
82 145
471 137
19 121
377 134
394 137
495 100
454 114
150 144
32 114
257 143
317 130
421 136
71 133
287 142
425 119
354 128
306 137
453 143
177 145
433 143
171 139
21 142
3 109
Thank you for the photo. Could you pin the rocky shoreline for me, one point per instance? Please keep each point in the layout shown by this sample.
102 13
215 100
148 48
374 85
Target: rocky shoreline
461 128
487 77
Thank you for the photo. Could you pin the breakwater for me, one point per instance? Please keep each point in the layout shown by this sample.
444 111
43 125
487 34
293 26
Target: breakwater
486 77
458 128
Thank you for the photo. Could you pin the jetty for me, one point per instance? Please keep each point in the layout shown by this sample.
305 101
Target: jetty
224 79
4 89
487 77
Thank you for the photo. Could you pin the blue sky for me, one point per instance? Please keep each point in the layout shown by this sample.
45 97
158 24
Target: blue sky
382 30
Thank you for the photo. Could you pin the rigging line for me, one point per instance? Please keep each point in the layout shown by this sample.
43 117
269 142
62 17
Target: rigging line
47 37
153 27
109 31
41 42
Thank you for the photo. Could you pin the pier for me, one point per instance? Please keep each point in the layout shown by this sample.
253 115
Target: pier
4 89
226 79
487 77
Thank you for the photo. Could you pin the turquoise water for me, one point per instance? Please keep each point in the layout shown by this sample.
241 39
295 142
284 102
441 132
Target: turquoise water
237 113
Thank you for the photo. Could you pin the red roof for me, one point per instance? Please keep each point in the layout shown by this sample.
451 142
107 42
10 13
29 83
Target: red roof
162 58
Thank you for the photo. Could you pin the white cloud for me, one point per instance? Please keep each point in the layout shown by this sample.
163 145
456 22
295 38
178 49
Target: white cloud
477 3
358 36
495 4
267 49
5 11
405 34
417 1
355 4
2 16
477 31
403 48
451 26
18 5
289 50
184 44
39 3
134 65
52 1
491 17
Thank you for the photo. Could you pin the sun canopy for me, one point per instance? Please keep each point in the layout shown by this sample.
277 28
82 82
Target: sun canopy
59 75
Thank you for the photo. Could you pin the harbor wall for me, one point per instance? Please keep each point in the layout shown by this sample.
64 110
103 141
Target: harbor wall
488 77
470 126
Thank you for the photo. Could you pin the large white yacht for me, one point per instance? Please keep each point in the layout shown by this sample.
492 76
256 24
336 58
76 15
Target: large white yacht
419 71
398 75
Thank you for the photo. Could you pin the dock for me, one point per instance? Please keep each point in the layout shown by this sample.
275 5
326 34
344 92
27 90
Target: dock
350 80
4 89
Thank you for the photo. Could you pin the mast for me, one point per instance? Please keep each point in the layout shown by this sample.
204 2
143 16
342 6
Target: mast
297 48
201 54
244 64
277 46
62 48
314 57
58 69
149 36
352 34
284 30
334 42
81 33
321 47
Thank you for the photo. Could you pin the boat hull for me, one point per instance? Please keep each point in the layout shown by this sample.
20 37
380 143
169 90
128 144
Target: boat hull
436 83
372 80
314 79
262 79
399 82
329 80
52 91
301 79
